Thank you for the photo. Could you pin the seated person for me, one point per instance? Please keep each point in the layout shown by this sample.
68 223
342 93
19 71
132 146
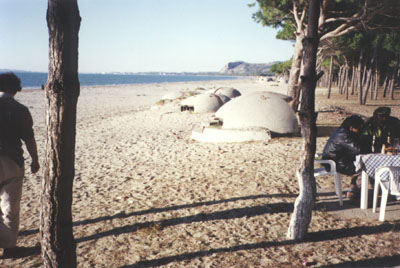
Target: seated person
380 129
342 147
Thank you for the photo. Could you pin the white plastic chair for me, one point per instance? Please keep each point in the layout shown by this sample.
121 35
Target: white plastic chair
336 176
385 186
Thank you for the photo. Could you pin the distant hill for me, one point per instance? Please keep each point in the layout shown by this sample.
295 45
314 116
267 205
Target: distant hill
244 68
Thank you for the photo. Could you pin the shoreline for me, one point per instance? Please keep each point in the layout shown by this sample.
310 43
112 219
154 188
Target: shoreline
85 81
153 83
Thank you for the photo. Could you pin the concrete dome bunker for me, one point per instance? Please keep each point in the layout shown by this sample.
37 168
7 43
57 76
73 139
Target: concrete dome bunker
204 103
228 91
249 118
259 110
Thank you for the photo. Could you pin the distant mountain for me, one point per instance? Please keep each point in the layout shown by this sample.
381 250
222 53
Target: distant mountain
244 68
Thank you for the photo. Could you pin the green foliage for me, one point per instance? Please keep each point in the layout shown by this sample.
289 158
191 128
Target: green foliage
276 14
326 64
391 42
286 32
350 45
377 31
391 47
281 67
388 45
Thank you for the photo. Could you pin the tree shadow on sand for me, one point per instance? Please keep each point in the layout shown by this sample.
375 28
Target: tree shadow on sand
24 252
166 209
388 261
200 217
310 237
279 207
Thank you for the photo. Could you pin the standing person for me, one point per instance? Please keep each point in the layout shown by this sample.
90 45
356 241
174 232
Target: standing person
379 130
342 147
15 126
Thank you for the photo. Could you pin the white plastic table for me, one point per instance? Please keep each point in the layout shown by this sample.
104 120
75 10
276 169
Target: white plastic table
368 163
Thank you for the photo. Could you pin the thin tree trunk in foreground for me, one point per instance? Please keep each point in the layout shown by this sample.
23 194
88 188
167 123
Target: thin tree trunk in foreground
61 91
302 213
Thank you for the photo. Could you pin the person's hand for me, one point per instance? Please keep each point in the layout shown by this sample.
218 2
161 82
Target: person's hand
35 166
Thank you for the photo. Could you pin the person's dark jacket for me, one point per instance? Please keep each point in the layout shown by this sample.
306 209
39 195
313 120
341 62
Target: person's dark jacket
15 125
374 136
342 147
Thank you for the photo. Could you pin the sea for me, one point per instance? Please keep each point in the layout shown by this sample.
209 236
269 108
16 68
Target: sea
32 80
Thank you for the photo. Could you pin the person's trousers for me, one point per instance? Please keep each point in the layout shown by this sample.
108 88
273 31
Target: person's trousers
11 177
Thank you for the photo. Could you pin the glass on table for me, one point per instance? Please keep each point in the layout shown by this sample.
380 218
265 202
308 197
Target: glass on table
396 145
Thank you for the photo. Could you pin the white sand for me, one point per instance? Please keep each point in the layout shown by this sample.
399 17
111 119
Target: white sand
146 195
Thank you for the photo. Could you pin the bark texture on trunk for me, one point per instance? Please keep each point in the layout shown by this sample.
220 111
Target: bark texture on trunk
61 91
293 84
302 213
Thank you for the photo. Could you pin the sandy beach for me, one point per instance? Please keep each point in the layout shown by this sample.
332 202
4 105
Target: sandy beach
147 195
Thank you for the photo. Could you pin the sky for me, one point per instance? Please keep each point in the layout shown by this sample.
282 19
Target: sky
143 36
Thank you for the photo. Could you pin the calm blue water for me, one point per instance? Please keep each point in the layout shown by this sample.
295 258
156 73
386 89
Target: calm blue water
36 80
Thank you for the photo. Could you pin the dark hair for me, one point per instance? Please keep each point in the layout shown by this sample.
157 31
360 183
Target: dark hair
385 111
353 121
10 83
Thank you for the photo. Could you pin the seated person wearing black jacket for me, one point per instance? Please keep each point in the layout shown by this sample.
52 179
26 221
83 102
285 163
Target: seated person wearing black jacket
342 147
380 129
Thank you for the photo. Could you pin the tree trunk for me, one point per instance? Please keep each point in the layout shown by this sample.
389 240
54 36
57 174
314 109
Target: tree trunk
293 85
373 83
353 78
394 78
367 85
346 80
340 80
374 67
360 77
344 85
377 77
386 84
391 88
61 91
330 77
302 213
373 86
372 76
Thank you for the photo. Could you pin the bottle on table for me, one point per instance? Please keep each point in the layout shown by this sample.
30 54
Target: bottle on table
373 144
